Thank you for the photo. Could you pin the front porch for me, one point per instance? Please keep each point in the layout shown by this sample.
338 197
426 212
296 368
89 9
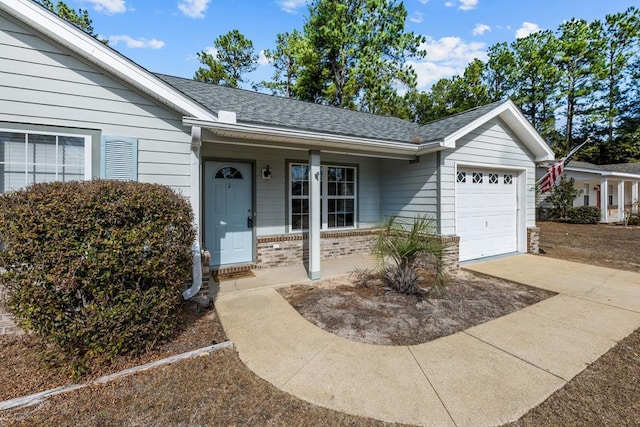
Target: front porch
288 275
614 196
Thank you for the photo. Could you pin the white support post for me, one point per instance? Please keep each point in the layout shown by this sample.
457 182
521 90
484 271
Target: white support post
634 197
620 200
315 219
604 199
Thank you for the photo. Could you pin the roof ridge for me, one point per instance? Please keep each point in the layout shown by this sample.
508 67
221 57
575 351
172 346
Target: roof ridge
285 99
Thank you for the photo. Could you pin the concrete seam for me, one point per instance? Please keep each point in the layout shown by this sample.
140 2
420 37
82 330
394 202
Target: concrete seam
574 327
516 356
305 364
432 386
600 302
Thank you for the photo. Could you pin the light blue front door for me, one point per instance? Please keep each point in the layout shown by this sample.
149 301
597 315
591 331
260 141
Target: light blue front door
228 212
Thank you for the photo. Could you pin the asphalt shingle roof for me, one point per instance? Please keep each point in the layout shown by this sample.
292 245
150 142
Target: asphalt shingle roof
258 108
439 129
633 168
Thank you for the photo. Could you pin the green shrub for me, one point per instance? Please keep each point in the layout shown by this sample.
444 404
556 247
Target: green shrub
410 254
634 219
96 268
585 215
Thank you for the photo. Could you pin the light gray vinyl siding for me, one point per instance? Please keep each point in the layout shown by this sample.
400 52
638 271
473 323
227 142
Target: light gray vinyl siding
44 84
410 189
271 202
492 144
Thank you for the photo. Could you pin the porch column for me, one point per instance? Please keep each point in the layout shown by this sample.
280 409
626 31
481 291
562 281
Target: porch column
634 197
315 219
621 200
604 199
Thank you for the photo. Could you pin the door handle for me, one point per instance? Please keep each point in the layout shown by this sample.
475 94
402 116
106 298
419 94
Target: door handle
249 222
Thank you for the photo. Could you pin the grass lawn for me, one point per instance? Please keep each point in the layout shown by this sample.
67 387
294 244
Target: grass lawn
220 390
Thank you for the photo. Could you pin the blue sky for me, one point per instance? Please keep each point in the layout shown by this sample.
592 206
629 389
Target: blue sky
165 35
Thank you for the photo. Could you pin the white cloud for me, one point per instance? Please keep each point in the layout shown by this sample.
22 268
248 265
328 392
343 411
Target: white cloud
262 59
424 1
132 43
449 4
109 7
480 29
193 8
212 51
416 17
291 6
468 4
526 29
446 57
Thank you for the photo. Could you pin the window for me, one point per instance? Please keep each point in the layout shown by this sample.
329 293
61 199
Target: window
610 195
586 194
461 177
299 197
27 158
508 179
228 172
493 178
337 194
477 177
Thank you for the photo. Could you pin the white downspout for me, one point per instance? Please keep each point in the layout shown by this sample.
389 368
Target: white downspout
196 143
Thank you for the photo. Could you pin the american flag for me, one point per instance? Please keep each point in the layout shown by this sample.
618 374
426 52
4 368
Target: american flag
553 174
551 177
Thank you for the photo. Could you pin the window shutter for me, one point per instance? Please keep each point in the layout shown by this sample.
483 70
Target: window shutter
119 158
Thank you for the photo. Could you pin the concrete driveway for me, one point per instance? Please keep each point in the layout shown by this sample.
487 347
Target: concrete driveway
487 375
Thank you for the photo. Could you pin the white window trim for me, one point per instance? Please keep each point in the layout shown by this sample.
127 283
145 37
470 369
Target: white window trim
324 198
87 146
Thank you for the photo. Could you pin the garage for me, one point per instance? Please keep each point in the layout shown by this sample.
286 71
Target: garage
486 212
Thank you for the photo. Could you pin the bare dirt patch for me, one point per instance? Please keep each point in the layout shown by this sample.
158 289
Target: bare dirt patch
605 245
24 371
374 315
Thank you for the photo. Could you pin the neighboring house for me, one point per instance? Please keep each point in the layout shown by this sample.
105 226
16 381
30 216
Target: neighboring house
272 181
612 188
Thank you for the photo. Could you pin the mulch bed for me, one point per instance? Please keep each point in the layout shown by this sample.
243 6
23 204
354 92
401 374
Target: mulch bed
372 314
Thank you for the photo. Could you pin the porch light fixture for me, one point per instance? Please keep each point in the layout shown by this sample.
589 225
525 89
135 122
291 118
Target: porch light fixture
266 173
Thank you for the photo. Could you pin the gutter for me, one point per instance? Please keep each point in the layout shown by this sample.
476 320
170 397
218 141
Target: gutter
321 140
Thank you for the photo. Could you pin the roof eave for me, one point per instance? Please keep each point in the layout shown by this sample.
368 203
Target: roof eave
603 173
309 139
96 53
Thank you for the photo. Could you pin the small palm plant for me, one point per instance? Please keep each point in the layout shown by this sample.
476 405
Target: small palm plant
410 254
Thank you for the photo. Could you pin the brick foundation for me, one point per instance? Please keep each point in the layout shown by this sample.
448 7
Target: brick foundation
533 240
291 249
451 254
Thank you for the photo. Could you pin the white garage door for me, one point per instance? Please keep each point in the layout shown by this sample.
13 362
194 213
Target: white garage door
486 212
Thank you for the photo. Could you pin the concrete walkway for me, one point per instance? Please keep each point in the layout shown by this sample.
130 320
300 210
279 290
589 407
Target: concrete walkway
487 375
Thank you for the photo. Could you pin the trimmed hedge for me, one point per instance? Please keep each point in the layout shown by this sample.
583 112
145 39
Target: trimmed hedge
585 215
96 268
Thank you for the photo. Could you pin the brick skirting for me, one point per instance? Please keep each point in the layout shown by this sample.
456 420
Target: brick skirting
291 249
533 240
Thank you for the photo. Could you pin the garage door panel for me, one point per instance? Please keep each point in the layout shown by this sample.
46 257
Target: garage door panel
486 212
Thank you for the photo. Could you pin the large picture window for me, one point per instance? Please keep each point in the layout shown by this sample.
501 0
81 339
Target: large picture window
27 158
338 196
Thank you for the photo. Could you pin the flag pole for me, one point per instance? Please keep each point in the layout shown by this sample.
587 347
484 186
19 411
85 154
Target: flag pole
566 159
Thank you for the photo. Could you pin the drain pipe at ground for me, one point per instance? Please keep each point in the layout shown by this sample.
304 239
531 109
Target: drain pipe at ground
196 283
